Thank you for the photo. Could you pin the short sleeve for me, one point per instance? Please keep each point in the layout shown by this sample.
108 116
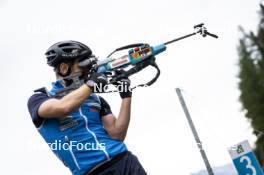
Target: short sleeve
33 104
105 107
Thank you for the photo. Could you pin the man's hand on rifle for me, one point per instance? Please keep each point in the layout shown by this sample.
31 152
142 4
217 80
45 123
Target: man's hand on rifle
123 87
97 82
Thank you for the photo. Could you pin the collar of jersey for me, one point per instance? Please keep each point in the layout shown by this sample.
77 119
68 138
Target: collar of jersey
56 86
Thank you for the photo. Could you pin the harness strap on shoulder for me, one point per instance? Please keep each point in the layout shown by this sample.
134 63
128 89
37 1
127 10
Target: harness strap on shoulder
42 90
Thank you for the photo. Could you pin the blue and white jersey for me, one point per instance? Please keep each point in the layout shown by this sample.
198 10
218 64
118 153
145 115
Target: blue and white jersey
78 140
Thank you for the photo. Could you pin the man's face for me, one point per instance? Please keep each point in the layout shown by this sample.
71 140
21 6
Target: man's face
74 69
77 69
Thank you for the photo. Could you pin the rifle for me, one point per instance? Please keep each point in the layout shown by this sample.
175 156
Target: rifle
140 56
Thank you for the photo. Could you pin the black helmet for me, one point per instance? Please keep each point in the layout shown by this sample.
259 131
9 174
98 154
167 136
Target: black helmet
67 51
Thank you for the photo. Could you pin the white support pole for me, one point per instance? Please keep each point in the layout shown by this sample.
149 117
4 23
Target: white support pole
195 134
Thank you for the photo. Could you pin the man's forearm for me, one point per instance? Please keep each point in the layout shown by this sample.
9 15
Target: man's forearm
76 98
122 122
64 106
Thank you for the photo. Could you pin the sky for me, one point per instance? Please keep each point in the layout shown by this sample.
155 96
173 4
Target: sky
205 69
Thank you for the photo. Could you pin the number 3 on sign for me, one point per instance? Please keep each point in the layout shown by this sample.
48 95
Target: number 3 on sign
248 165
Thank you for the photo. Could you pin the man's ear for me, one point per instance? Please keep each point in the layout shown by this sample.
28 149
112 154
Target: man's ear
63 68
